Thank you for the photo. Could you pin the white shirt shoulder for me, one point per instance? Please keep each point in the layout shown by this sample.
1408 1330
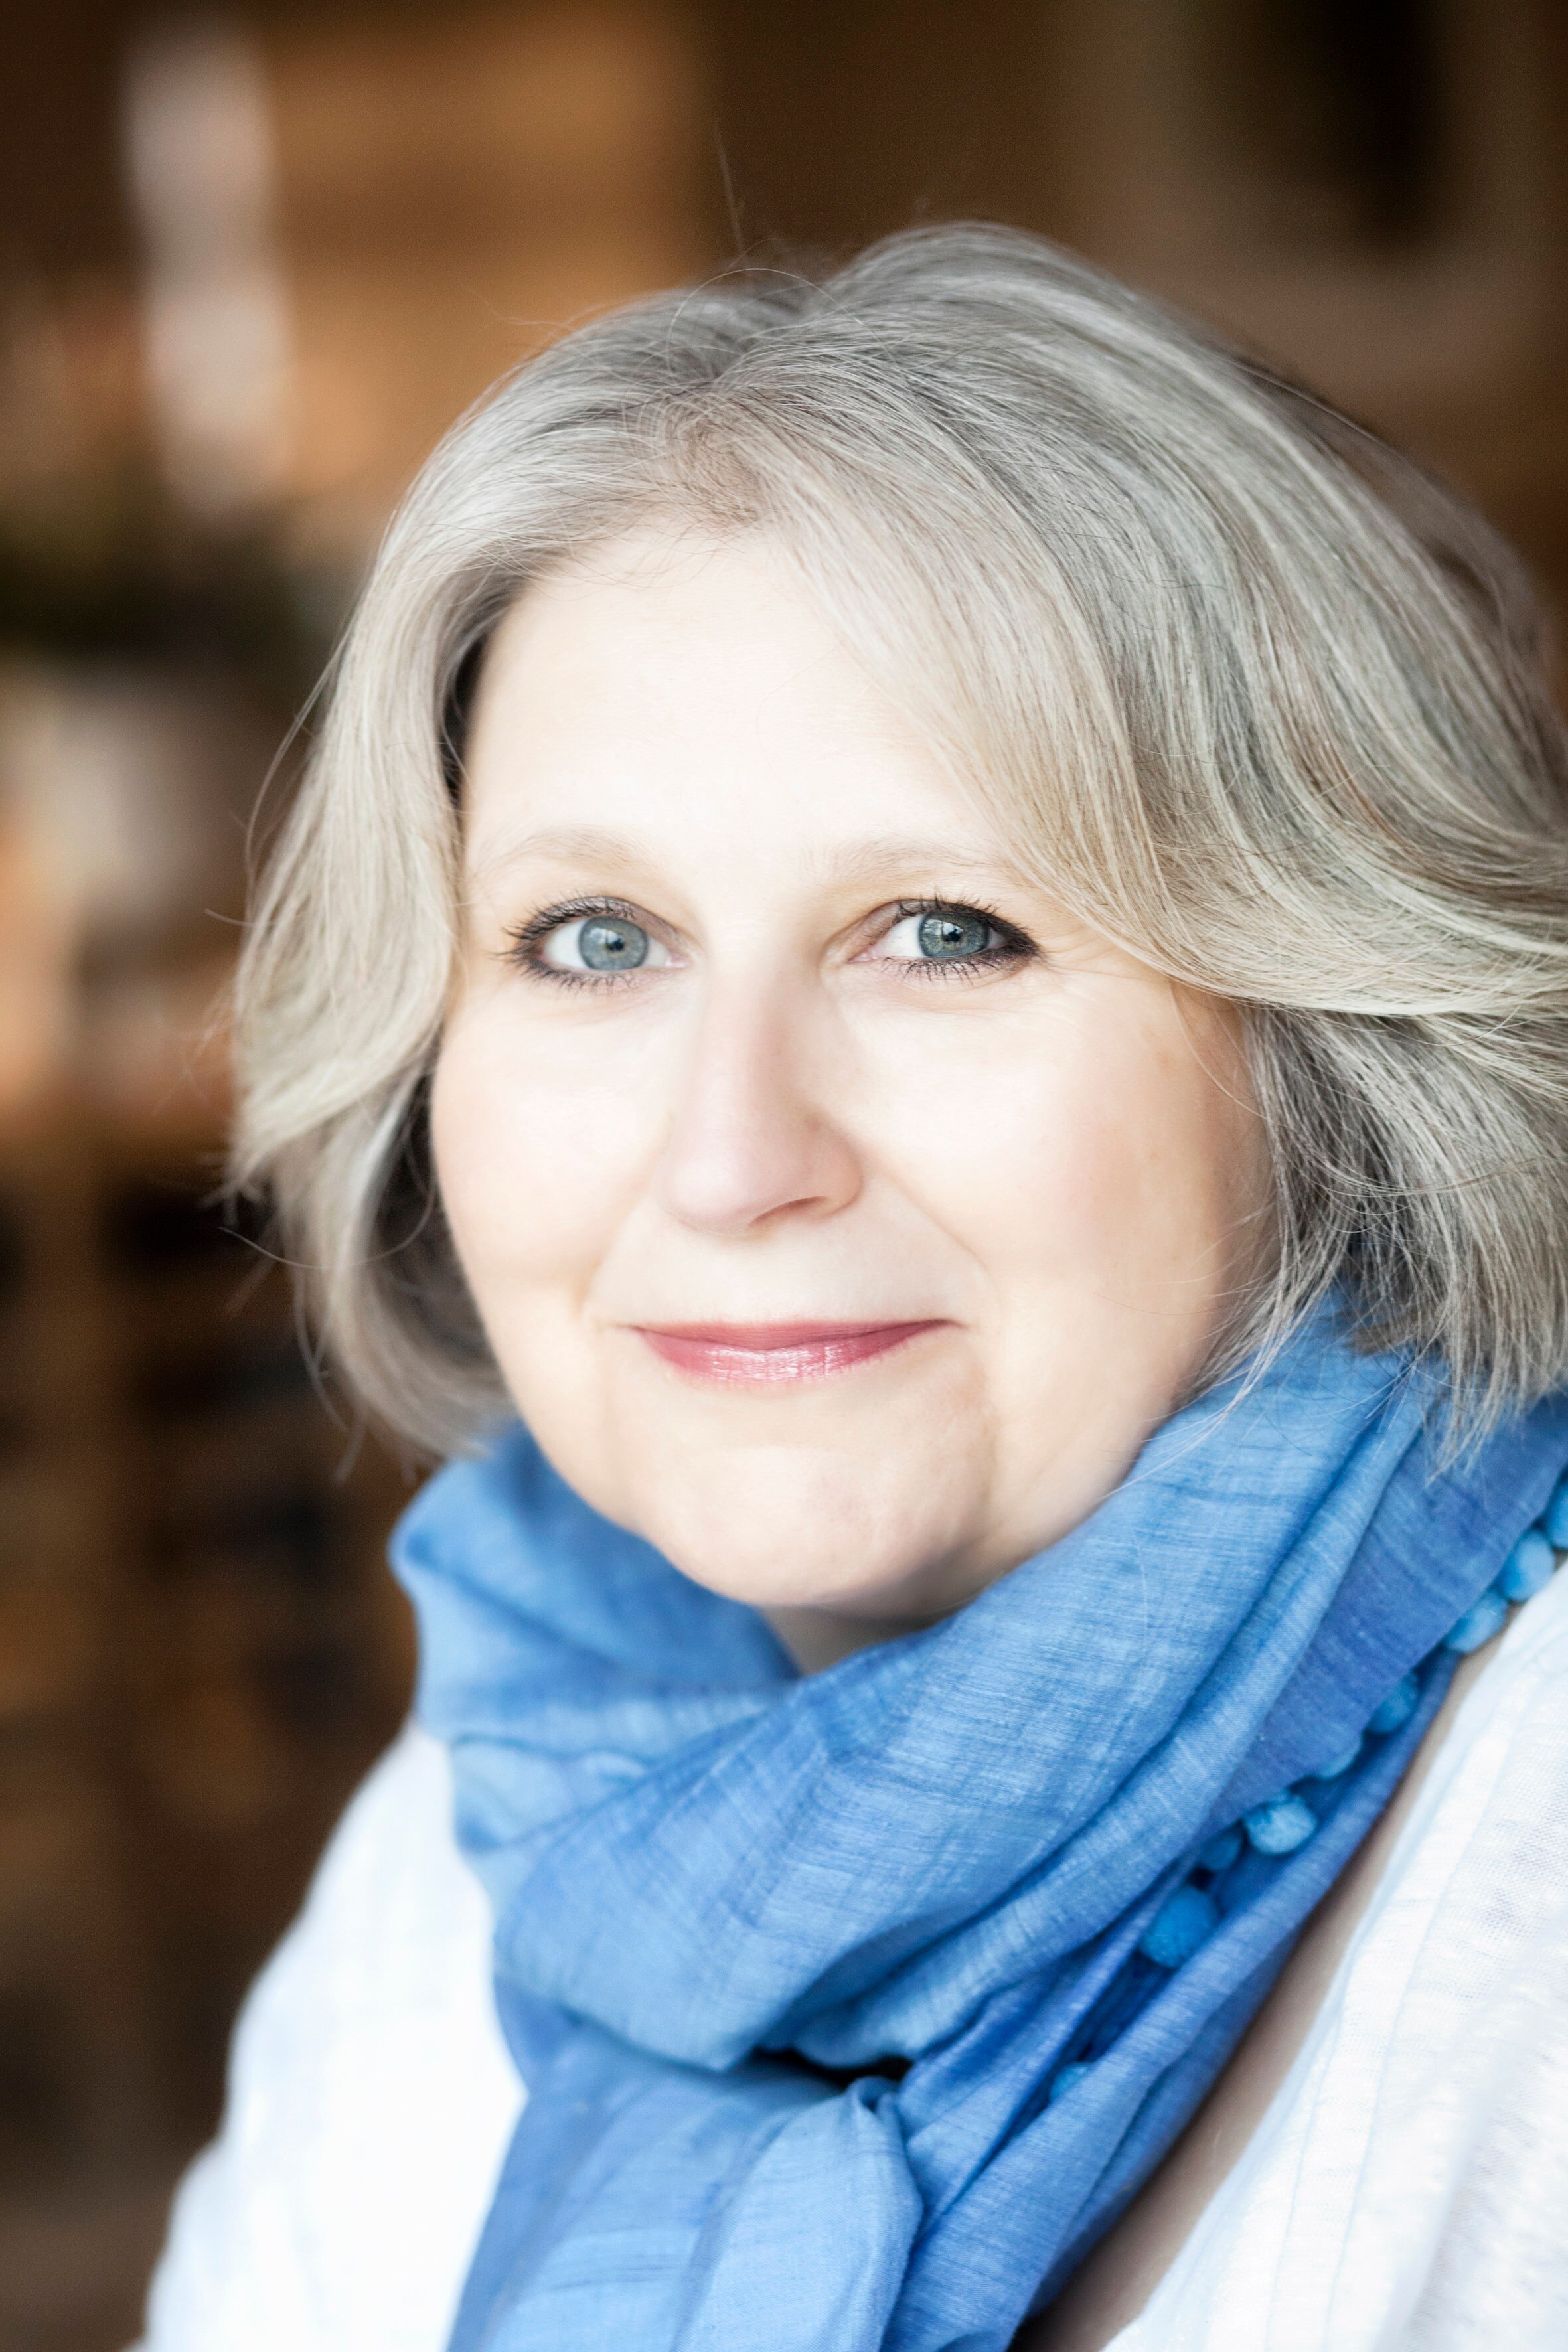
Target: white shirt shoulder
371 2101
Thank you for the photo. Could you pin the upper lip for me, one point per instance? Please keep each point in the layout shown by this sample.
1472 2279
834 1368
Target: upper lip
761 1336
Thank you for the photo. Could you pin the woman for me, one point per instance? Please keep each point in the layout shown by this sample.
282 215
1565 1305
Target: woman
927 930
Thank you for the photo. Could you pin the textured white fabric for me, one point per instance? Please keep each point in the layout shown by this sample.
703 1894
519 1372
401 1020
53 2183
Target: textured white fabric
1407 2189
1406 2192
371 2101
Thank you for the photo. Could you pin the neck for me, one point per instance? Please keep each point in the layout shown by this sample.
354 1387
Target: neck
817 1638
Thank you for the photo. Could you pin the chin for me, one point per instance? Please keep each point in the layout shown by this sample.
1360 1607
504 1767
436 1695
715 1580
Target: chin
778 1537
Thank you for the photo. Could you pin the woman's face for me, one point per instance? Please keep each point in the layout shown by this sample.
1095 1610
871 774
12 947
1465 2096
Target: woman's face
843 1214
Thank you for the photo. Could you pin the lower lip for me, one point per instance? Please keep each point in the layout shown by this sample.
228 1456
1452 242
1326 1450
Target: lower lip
765 1355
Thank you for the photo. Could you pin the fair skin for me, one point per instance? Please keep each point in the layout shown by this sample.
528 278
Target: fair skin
843 1214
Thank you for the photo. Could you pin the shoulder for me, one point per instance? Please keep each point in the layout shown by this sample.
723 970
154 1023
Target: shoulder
370 2099
1407 2182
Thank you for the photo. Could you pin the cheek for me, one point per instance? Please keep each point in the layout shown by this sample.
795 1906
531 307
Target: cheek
1091 1153
1134 1154
539 1151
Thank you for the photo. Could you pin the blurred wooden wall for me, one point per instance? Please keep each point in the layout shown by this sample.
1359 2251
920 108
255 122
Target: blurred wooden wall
1375 193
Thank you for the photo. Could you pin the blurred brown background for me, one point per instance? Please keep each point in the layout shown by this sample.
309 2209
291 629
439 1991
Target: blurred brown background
250 264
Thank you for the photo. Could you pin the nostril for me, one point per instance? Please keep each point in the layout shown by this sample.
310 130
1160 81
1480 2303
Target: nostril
727 1192
748 1149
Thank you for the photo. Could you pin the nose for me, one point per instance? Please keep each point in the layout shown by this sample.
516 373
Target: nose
754 1141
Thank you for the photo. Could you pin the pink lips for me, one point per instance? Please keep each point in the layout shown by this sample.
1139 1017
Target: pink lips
733 1353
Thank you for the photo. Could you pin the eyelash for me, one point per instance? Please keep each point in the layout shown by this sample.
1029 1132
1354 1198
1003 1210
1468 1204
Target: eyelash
1013 945
529 935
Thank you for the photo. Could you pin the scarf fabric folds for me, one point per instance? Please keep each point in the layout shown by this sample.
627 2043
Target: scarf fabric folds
831 1993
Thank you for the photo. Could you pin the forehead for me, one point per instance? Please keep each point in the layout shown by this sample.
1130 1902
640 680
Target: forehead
670 683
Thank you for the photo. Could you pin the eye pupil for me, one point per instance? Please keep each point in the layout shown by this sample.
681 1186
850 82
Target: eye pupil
945 938
606 943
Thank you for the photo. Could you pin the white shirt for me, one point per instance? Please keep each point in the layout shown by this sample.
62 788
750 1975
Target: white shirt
1405 2191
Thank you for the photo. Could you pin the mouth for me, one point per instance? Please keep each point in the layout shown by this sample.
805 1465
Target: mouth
756 1354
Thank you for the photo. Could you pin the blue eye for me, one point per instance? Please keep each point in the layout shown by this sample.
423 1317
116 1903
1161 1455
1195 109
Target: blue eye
950 934
608 943
953 934
603 940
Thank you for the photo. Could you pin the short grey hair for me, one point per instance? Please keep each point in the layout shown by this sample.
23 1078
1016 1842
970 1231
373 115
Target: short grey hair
1265 704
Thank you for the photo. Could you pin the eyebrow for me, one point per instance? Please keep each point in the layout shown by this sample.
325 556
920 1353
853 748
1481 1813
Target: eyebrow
891 852
569 844
864 862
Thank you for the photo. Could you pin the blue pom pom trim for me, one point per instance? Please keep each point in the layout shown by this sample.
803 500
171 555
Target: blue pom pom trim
1183 1922
1194 1912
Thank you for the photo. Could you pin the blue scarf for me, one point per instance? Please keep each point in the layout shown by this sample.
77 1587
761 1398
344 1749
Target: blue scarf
853 2007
